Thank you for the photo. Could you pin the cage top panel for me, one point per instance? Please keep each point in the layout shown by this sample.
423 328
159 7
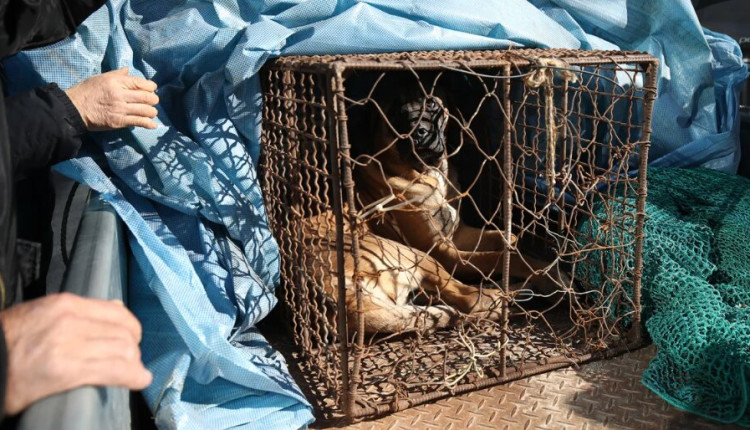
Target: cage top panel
438 59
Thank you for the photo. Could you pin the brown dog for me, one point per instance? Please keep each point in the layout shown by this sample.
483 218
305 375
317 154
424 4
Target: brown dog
403 289
409 162
413 260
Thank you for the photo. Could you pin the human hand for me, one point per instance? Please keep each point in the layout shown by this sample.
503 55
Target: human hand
64 341
115 100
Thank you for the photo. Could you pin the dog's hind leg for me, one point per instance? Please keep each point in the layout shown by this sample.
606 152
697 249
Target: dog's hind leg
386 316
390 273
441 286
394 273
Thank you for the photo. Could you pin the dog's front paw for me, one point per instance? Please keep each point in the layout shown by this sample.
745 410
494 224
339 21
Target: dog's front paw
423 186
416 194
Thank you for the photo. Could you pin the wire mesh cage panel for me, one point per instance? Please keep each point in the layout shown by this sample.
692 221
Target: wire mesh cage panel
452 220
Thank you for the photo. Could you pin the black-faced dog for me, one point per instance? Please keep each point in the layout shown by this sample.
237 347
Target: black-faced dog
409 161
414 259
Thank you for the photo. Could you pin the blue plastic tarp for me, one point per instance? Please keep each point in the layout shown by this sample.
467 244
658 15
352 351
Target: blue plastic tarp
205 264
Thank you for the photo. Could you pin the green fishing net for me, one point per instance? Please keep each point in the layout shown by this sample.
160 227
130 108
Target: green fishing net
696 290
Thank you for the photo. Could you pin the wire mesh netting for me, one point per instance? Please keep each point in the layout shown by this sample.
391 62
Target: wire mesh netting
427 208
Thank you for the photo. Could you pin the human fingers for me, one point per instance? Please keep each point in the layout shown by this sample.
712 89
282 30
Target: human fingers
54 346
121 71
140 96
137 109
103 348
110 311
114 371
49 313
87 329
138 83
136 121
67 373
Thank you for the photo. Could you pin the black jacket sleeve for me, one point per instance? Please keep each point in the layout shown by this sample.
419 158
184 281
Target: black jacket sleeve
33 23
43 129
45 113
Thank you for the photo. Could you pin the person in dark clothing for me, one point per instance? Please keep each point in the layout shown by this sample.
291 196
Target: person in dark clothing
61 341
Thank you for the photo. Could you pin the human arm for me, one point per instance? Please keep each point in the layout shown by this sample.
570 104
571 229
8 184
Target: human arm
44 127
45 123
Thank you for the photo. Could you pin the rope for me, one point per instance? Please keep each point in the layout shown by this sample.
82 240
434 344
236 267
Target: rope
544 76
452 380
379 205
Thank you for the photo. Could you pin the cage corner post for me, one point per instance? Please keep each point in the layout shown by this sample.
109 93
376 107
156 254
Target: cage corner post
650 92
508 184
345 211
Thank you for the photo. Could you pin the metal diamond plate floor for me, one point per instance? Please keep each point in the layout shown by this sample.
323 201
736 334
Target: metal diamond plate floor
600 395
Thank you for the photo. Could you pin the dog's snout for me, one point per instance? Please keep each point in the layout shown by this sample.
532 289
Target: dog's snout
421 123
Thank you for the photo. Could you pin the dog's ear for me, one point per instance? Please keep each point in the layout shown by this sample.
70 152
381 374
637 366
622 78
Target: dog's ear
366 120
391 93
444 87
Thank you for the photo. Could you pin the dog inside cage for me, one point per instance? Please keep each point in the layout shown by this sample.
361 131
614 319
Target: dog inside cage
413 147
442 224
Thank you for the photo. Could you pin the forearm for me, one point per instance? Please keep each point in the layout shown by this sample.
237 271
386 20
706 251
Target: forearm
44 128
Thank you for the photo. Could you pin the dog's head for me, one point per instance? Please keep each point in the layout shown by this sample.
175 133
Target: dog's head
420 119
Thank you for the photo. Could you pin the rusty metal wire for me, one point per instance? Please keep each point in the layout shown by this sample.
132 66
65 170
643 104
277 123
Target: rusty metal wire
478 246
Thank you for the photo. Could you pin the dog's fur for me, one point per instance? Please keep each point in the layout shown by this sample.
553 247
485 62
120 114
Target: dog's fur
421 250
417 169
403 289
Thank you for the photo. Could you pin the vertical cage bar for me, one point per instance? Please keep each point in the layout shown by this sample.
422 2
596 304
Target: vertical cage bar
507 214
332 95
648 103
347 182
565 162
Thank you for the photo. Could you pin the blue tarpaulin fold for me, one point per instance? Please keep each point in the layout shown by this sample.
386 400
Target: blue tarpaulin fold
205 264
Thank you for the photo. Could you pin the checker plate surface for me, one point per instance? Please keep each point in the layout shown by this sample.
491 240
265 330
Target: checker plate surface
600 395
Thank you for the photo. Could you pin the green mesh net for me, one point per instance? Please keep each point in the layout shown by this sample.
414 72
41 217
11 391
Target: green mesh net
696 290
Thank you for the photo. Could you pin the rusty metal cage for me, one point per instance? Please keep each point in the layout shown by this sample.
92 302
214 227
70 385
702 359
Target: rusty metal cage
534 143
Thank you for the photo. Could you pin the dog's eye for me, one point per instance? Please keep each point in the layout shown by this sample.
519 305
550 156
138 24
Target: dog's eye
431 104
422 132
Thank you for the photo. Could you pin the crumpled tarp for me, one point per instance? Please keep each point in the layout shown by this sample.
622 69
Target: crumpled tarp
205 263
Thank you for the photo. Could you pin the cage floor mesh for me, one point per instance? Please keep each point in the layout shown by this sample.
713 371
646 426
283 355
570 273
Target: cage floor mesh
438 359
605 394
